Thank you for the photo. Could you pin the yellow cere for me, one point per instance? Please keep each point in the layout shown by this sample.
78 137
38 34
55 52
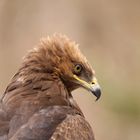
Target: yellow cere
82 81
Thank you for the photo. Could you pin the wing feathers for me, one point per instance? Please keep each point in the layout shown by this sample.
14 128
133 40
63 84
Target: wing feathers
42 124
74 127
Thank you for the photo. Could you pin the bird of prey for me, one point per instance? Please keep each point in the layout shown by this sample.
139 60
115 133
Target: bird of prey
38 104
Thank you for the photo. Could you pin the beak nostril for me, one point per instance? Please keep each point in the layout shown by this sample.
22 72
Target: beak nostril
93 83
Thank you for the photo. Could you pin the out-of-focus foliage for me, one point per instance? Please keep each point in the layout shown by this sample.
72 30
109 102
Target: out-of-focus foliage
108 32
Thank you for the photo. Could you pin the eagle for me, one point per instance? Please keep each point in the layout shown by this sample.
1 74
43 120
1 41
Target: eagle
38 103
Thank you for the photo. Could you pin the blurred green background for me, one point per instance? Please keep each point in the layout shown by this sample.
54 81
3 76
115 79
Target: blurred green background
108 32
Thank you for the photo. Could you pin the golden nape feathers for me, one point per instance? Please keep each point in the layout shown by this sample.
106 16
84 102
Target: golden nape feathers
58 54
38 103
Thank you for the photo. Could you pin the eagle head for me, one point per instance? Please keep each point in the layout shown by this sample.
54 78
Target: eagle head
62 58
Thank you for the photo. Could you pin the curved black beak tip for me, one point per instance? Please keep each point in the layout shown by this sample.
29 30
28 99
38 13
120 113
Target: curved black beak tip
97 93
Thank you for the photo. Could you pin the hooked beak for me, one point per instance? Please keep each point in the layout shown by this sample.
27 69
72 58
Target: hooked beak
93 86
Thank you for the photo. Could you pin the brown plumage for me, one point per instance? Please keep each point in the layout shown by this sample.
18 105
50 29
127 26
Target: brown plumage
38 104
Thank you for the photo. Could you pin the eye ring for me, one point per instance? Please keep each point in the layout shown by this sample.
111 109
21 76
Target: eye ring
78 68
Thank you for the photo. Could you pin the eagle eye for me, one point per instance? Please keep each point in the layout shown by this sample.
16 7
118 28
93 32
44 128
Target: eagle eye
77 69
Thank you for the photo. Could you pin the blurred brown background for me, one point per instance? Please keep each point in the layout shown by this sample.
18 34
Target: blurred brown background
109 35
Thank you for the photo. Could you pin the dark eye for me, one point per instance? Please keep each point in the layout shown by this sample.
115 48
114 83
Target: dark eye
78 69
